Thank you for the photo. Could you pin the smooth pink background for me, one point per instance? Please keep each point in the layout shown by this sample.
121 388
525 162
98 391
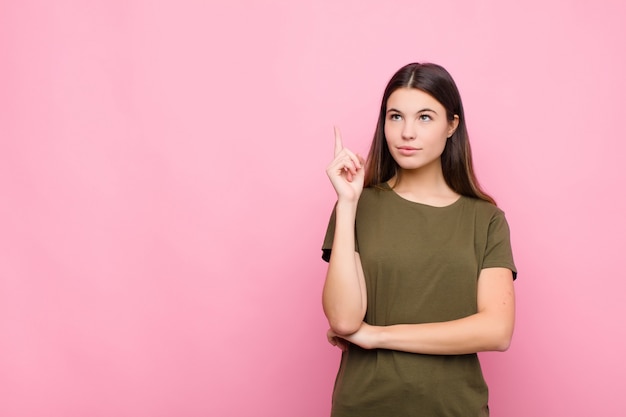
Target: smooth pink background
163 196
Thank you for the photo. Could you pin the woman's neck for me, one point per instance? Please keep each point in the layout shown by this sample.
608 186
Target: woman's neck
426 186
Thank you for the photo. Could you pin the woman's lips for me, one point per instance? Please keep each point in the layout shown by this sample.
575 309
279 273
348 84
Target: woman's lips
407 150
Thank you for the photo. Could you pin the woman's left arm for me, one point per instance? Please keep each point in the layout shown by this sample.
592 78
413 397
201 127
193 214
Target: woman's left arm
491 328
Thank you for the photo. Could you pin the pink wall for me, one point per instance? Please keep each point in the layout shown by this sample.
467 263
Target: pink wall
163 196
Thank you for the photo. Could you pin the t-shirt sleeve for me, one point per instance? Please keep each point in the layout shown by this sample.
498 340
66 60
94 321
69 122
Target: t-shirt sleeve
327 246
498 252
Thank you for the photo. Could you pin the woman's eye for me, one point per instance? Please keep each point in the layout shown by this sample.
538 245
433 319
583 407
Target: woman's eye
395 117
425 118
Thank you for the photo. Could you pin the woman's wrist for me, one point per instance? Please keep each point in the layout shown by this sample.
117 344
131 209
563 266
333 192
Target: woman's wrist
347 205
378 337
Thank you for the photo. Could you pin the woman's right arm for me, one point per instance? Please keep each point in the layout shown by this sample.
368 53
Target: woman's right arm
344 296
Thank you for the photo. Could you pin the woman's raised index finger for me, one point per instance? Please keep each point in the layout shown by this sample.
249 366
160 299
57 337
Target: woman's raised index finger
338 143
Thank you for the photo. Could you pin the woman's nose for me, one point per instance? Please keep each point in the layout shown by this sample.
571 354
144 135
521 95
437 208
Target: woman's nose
408 131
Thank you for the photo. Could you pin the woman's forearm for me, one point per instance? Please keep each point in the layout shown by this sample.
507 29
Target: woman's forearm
476 333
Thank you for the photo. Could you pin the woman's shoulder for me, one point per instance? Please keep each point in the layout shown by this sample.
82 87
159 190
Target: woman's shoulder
483 207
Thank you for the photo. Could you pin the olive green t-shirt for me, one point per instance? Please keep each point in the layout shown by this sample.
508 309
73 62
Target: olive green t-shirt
421 264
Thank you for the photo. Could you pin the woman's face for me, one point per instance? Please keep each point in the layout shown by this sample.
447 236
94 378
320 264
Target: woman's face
416 128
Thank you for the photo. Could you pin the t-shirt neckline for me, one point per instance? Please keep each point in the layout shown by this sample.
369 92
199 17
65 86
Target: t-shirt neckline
387 187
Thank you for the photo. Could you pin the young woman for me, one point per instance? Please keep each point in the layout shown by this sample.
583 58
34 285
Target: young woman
420 277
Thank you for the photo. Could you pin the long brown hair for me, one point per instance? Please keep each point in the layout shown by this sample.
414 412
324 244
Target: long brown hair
456 159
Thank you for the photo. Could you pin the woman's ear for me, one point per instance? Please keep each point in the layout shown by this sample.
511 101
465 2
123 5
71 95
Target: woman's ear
454 123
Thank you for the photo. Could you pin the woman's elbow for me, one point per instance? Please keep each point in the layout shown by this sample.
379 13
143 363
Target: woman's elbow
501 340
502 345
344 327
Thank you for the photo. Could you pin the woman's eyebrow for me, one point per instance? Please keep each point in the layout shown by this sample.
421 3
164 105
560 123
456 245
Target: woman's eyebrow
426 109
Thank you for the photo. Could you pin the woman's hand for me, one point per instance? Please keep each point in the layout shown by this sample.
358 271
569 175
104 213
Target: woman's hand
346 172
335 340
